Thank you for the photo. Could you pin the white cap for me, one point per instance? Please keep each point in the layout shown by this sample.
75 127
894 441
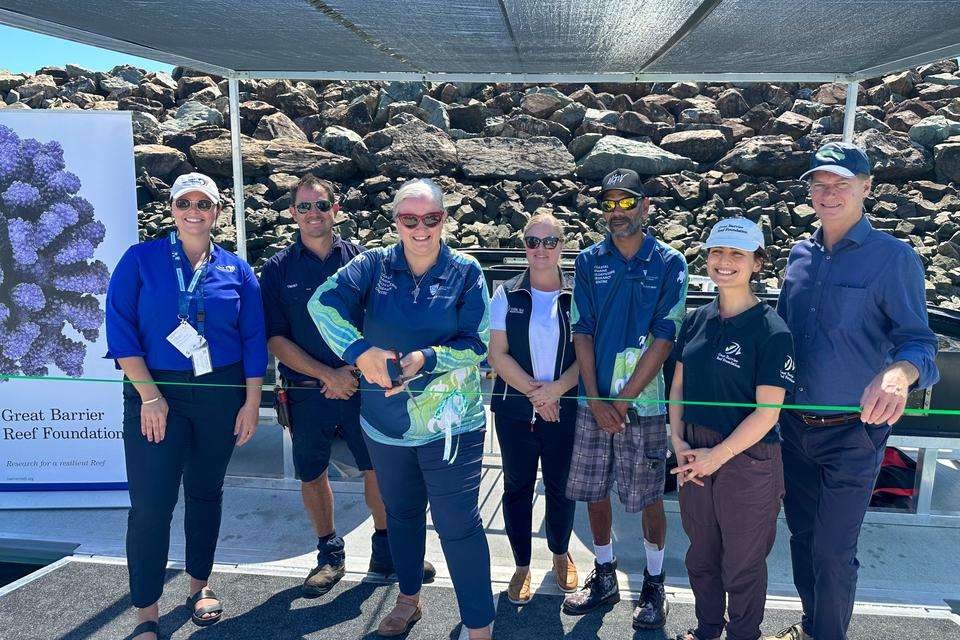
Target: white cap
195 182
738 233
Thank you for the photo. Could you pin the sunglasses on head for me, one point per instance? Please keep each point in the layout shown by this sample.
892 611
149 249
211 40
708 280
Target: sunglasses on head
429 220
184 203
549 242
624 203
321 205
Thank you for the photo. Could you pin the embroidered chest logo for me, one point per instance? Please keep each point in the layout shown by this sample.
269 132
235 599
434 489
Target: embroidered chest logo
229 268
731 355
385 284
787 372
514 310
602 274
433 289
293 285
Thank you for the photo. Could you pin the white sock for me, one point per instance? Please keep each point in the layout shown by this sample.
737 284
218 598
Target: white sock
604 552
654 558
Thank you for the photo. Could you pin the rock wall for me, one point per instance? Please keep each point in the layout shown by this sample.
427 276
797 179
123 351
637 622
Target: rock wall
504 151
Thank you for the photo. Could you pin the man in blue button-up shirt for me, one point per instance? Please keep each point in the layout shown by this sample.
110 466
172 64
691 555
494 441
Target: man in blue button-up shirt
853 298
323 394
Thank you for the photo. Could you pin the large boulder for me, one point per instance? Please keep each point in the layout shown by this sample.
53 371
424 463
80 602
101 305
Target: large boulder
777 156
339 140
297 157
946 157
10 81
159 161
436 112
278 125
189 115
214 157
895 158
397 92
146 129
612 152
540 105
411 149
527 159
703 145
791 124
468 117
933 130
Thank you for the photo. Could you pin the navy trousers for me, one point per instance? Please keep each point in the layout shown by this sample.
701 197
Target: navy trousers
196 449
829 473
409 477
524 446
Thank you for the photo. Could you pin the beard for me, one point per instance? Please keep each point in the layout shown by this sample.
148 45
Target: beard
631 227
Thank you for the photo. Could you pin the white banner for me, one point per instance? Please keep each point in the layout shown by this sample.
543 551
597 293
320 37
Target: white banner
68 211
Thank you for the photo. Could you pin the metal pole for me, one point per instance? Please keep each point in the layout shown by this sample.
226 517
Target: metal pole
850 111
237 152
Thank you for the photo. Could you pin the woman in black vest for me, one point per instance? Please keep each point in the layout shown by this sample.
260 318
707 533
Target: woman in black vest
531 349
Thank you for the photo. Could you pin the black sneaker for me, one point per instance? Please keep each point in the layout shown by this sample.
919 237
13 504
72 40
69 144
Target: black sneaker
793 632
600 588
381 560
651 611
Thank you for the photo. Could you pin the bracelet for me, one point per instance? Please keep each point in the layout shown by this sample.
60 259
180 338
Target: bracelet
152 400
727 447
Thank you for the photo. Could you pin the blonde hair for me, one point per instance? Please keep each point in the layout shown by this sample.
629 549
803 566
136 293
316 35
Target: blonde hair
418 188
545 218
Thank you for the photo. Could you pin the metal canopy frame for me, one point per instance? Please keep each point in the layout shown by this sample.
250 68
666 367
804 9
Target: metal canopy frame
706 7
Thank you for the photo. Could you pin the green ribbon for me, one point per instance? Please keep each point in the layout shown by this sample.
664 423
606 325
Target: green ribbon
703 403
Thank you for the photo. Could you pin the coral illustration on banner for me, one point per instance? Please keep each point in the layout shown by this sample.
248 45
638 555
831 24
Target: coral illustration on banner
48 277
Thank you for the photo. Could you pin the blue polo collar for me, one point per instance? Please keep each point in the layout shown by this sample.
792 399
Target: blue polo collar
299 247
644 253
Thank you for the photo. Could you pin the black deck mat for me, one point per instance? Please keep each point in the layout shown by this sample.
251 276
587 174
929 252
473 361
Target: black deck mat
89 601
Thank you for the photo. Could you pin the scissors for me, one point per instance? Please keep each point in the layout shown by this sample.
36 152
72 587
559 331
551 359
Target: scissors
401 380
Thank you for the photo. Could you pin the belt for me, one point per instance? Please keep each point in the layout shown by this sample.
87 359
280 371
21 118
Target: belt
830 420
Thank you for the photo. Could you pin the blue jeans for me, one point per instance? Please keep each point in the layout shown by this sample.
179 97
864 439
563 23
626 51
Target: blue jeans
829 473
409 477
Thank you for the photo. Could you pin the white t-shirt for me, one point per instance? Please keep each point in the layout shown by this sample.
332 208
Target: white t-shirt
544 328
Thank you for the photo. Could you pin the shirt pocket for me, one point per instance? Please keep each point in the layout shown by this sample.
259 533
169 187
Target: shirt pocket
843 308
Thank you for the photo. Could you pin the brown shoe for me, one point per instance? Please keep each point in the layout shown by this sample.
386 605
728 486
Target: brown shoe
565 572
405 612
518 591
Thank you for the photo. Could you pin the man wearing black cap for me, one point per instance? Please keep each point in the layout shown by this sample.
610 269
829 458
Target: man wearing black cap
853 298
628 303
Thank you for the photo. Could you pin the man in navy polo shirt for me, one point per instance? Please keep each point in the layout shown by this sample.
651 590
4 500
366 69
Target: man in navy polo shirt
853 298
628 303
323 395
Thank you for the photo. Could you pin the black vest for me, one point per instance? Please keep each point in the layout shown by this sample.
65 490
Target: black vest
506 400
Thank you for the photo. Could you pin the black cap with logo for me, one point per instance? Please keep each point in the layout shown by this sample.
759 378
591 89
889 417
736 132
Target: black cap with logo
624 180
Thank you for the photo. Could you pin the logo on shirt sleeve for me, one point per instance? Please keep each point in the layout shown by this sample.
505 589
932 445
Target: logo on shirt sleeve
787 372
731 354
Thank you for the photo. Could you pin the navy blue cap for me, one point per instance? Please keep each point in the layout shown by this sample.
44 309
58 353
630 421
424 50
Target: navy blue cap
842 158
624 180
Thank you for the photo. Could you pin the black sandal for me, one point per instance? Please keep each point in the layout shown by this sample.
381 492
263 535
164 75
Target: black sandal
149 626
206 593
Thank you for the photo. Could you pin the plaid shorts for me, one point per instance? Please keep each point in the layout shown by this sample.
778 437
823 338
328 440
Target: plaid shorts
635 458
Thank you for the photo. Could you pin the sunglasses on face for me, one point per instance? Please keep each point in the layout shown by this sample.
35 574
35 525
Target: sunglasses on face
624 203
429 220
321 205
549 242
183 204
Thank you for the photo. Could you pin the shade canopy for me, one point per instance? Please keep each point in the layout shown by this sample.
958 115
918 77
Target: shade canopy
513 40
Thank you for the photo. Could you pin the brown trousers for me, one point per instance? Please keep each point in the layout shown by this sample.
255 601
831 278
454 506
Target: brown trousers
731 522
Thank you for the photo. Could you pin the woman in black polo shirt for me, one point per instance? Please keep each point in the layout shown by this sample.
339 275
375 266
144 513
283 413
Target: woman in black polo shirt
531 350
735 349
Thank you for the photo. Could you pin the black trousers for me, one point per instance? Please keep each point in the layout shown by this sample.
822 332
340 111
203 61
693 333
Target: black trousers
523 445
196 449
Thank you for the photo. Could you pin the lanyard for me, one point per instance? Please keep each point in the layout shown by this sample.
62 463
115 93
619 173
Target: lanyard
186 291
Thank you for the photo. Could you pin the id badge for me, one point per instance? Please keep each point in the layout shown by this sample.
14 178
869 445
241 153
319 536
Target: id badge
185 339
201 359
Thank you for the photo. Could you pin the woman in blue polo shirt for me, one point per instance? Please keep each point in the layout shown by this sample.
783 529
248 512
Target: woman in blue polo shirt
422 417
738 350
531 349
181 309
